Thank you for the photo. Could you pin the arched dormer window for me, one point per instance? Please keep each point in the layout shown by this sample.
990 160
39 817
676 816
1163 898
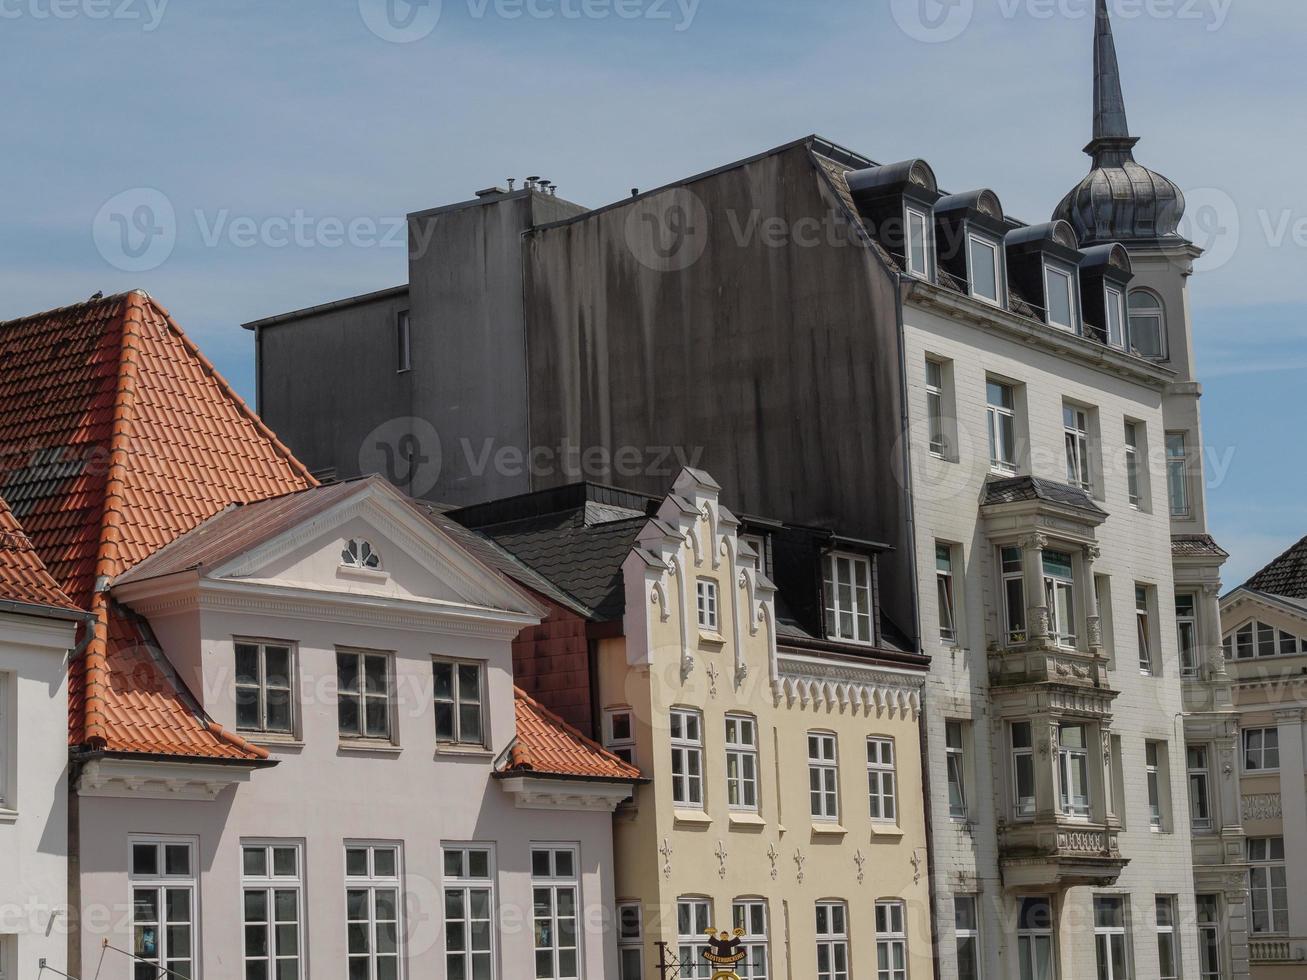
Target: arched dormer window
1147 324
358 553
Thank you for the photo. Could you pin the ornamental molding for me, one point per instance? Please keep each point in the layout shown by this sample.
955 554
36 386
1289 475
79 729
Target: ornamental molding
1262 806
132 779
813 681
666 851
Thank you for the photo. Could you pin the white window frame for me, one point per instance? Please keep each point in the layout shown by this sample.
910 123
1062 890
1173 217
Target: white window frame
882 779
1153 758
1031 938
759 544
630 941
269 884
686 738
557 883
891 940
163 884
955 763
1134 487
1075 434
984 241
364 697
1012 573
1111 937
620 720
1114 300
705 590
1073 767
1268 887
1168 937
1177 475
7 759
1001 418
1060 597
1153 311
927 235
403 342
846 596
694 917
1262 751
1186 632
823 777
373 884
1210 928
359 553
263 688
1144 629
1023 757
833 940
1199 778
935 423
966 936
741 744
945 591
460 882
748 914
455 702
1055 270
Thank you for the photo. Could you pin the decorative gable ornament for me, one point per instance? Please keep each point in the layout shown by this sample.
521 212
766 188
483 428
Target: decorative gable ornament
358 553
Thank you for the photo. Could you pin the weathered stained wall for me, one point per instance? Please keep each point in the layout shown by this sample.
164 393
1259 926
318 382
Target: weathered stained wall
551 662
764 348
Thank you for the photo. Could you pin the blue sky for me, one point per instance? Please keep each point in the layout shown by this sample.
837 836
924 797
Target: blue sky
251 117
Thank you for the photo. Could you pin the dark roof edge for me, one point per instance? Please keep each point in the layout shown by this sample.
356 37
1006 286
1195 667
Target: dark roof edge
339 304
90 755
38 610
567 777
877 656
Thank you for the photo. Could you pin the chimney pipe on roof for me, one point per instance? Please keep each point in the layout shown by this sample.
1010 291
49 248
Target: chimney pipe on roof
511 182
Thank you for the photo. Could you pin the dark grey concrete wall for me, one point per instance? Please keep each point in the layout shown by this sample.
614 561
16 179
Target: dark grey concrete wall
771 360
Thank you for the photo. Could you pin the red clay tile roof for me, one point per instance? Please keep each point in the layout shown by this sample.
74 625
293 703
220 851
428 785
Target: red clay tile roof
23 576
550 746
116 436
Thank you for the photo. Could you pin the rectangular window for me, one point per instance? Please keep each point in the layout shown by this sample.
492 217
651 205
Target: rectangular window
1186 628
263 687
1002 418
1035 939
1059 284
1200 793
935 411
469 887
948 626
6 756
1014 594
1023 770
619 734
741 762
272 905
985 267
882 784
891 942
363 698
459 700
751 916
1059 594
823 777
966 932
1153 777
1116 318
1168 940
706 599
1075 427
1132 463
1110 939
372 911
1177 474
1073 770
1209 937
630 941
832 941
847 586
555 913
693 920
163 886
758 544
1268 885
954 747
687 757
1261 749
1144 629
918 244
403 343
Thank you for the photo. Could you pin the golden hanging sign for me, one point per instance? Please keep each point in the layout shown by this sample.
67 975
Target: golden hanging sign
724 952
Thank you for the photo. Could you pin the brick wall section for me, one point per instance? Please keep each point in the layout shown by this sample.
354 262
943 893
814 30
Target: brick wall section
551 662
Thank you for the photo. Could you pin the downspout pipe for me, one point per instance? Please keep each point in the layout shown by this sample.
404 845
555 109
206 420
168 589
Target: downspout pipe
74 915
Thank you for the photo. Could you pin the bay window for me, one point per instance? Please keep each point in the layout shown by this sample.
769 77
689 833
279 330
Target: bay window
1073 770
1186 628
1200 802
1023 769
1014 594
1059 595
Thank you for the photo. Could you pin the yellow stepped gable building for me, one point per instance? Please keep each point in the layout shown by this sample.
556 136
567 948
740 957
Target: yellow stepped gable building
778 725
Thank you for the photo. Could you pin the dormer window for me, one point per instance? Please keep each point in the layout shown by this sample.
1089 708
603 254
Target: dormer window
918 243
1060 292
1116 319
983 268
847 588
896 202
358 553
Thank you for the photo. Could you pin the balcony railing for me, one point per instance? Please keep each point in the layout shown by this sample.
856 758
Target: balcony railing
1060 853
1277 950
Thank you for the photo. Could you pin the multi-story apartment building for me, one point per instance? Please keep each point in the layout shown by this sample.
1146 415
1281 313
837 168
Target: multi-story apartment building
1265 624
38 626
779 724
296 745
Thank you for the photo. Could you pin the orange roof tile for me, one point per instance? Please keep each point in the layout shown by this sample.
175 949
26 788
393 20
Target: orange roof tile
23 576
550 746
116 436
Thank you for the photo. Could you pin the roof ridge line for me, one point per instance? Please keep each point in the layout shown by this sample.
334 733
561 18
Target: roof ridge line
58 310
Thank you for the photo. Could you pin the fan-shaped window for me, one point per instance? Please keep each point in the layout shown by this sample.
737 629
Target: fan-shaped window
358 553
1147 324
